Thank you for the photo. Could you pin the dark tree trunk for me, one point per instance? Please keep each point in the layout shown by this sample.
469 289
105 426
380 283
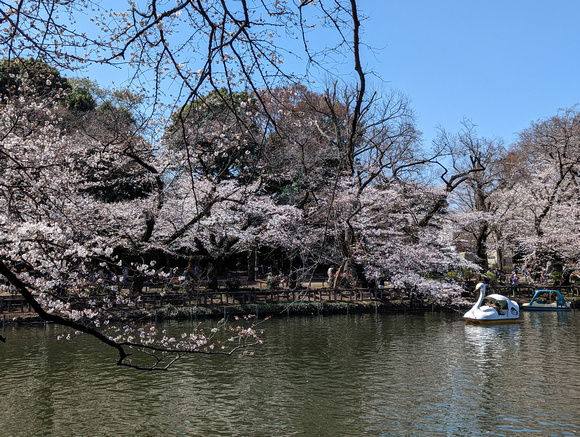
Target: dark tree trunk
252 255
137 284
214 268
481 246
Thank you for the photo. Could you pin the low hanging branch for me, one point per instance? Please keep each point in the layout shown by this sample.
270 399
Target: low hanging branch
55 318
194 343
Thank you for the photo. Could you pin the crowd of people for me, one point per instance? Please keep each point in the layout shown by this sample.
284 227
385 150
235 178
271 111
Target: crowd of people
532 275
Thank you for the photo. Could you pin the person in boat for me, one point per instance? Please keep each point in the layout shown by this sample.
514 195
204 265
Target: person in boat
498 308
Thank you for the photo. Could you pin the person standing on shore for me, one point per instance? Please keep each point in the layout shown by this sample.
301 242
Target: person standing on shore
330 273
513 284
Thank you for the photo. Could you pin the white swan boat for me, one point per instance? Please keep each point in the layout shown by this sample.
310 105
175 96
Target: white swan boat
493 308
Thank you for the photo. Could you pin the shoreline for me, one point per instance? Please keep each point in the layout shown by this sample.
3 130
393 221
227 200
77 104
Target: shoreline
260 310
278 309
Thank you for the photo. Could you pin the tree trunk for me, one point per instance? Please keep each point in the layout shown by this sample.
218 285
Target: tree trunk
292 275
137 284
481 246
499 255
252 264
212 274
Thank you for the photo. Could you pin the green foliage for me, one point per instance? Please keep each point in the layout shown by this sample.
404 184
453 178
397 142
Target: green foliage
118 175
221 129
453 275
170 310
466 273
115 115
31 78
183 312
120 183
462 274
287 191
272 283
35 79
491 276
233 284
190 287
80 99
215 105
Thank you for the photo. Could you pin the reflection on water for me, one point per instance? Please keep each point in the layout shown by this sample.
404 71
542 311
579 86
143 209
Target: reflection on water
491 345
343 375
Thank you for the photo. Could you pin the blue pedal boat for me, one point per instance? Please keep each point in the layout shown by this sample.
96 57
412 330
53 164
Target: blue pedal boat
547 300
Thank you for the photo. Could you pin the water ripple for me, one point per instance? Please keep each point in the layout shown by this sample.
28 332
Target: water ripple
347 375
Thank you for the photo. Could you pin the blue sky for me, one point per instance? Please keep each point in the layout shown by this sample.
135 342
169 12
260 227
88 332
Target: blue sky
501 64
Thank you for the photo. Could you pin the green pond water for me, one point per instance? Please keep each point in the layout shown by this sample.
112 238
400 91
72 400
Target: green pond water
373 374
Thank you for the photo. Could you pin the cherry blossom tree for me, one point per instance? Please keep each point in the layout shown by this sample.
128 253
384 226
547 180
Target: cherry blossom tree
545 164
55 226
57 216
359 193
480 160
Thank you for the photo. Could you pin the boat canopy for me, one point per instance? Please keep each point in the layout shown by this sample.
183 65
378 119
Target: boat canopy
550 296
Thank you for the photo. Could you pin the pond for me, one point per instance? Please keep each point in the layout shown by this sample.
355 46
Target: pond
372 374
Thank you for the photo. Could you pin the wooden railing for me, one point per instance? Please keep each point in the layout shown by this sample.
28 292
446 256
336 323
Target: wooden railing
207 298
527 290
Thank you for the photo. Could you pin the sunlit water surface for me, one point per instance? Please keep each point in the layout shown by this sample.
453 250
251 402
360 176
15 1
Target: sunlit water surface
379 375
